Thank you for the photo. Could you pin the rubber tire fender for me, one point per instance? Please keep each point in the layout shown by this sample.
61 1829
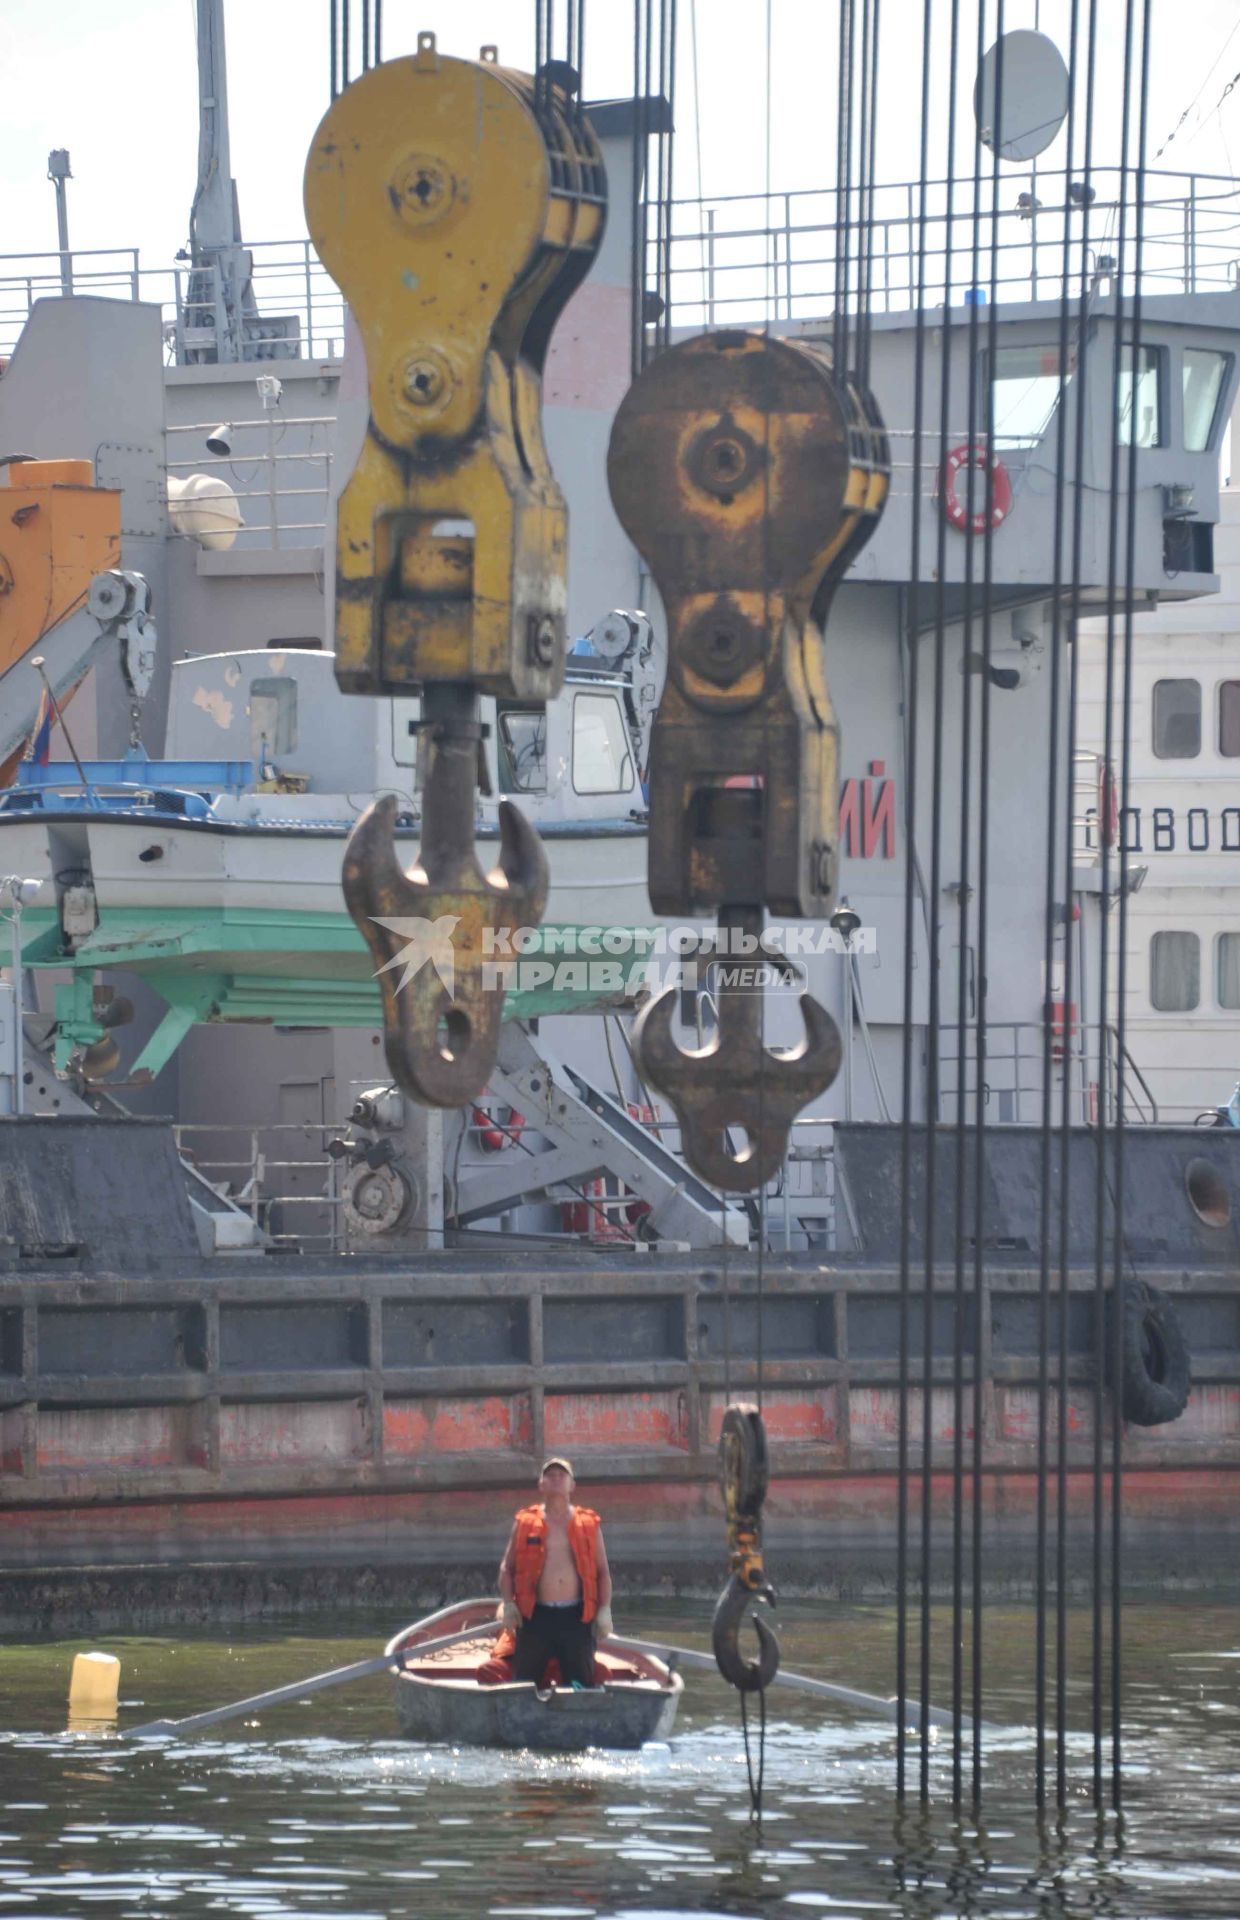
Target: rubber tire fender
1155 1374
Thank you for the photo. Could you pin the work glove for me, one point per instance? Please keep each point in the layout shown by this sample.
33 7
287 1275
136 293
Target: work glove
604 1625
508 1613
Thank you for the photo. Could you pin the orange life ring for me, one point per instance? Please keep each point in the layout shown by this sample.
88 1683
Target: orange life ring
955 509
493 1138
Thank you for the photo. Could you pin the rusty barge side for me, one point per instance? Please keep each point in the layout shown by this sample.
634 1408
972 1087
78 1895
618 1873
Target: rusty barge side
181 1432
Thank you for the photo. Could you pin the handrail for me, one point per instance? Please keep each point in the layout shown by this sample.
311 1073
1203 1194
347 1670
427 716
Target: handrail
1124 1058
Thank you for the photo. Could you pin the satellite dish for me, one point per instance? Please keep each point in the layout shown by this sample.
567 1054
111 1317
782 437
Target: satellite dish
1027 115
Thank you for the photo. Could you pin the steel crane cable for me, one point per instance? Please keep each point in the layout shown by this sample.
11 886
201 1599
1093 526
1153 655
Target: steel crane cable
1053 850
912 710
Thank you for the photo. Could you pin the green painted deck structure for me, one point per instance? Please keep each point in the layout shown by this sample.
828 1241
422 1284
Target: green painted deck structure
257 964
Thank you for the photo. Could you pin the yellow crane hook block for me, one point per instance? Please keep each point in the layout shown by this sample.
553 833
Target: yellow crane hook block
457 205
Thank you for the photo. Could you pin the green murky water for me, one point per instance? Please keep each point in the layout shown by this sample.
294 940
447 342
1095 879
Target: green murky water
319 1810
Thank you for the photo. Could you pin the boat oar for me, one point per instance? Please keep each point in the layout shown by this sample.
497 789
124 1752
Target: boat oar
298 1689
802 1682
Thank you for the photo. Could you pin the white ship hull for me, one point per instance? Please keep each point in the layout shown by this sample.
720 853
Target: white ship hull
598 878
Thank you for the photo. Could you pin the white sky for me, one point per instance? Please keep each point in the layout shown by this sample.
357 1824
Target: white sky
114 81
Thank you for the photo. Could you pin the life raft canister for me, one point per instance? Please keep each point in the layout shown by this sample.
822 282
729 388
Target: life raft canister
583 1529
951 489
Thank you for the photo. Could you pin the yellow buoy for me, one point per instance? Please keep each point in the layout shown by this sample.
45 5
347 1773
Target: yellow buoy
94 1686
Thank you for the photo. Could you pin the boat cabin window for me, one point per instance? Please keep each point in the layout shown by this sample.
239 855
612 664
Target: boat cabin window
1229 719
1024 393
1140 399
522 749
602 762
1204 374
1175 972
273 717
1177 719
1227 969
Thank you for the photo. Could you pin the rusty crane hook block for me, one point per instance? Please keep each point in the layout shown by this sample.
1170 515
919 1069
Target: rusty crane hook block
749 476
744 1475
457 205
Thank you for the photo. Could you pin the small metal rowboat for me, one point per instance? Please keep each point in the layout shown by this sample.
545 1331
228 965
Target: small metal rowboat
439 1698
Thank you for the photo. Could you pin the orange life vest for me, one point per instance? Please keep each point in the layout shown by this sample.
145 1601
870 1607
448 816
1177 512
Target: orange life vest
583 1529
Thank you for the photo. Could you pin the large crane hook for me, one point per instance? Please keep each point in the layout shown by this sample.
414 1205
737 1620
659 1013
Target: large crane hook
744 1474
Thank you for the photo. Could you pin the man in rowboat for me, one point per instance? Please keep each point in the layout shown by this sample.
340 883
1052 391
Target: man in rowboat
554 1582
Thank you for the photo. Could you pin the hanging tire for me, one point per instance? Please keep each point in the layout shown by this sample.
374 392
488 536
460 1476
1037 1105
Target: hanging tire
1155 1374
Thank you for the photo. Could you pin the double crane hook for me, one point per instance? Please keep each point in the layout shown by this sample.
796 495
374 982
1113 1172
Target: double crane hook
744 1474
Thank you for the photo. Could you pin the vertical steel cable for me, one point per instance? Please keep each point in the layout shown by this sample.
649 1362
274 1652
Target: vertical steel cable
365 35
852 227
637 270
980 1329
647 83
378 31
1102 1189
963 895
671 153
657 82
543 22
1054 778
669 145
863 234
910 719
936 880
843 197
1083 364
334 36
346 8
867 211
1117 1278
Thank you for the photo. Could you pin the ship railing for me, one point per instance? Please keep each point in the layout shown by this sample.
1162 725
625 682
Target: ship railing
804 1206
279 469
293 1197
1102 1079
744 257
299 309
774 257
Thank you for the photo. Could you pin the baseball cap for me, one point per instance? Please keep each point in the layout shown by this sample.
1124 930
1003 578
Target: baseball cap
557 1460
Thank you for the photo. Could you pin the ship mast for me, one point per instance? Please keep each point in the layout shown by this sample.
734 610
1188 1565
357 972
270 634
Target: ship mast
220 295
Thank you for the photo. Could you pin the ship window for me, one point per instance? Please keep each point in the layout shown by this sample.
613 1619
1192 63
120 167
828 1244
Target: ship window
1141 400
522 749
1229 719
1204 373
273 717
406 722
602 762
1177 719
1227 969
1175 972
1024 393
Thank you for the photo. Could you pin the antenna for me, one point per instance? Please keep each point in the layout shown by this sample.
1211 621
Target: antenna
1021 95
58 172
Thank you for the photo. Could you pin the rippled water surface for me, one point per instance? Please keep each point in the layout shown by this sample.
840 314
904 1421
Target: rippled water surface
318 1809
